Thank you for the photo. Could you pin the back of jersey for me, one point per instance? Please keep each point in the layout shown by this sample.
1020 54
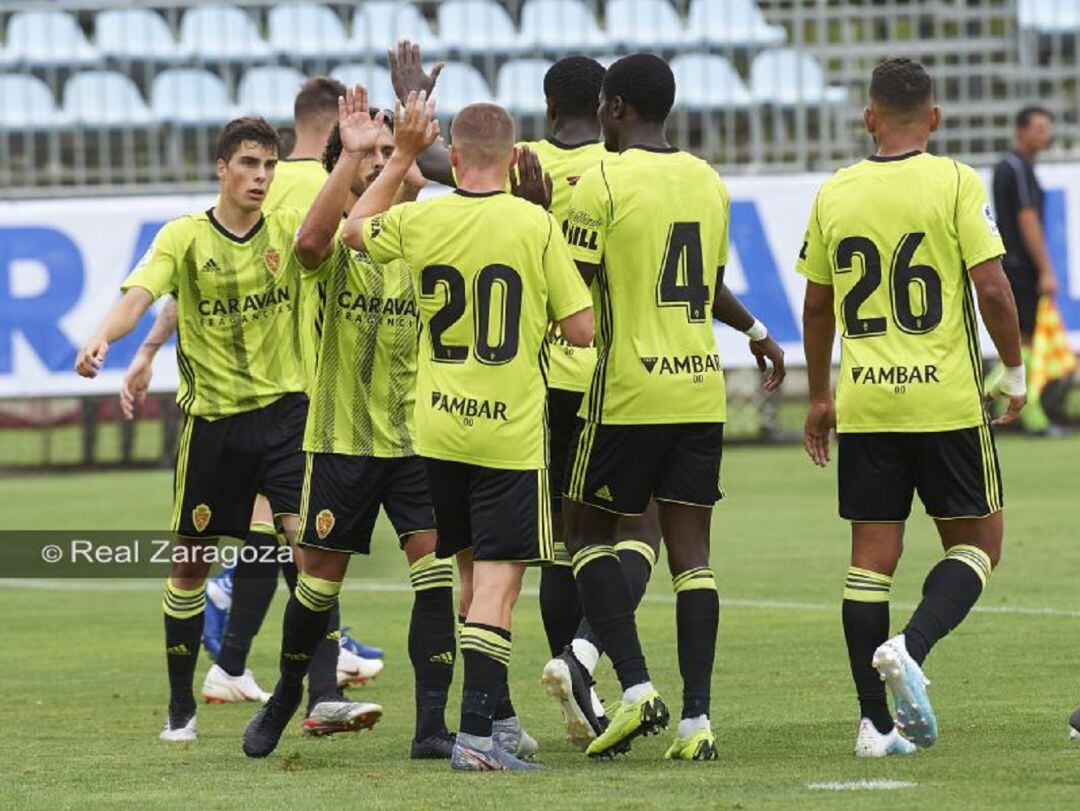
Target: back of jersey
895 237
656 224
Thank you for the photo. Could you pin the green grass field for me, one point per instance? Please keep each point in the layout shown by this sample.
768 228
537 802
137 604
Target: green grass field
83 677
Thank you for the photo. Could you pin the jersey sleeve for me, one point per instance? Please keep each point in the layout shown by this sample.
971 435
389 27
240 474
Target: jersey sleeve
384 236
813 261
590 216
157 272
976 229
567 293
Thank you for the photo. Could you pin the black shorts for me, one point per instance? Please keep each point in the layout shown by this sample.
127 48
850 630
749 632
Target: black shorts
342 495
504 515
955 473
563 420
618 468
221 465
1024 282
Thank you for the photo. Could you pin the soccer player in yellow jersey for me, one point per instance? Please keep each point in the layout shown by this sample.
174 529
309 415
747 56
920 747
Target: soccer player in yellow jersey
894 245
648 228
491 272
242 383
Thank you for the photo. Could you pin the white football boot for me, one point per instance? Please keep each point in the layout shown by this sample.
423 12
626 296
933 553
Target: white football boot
353 670
330 717
180 734
221 688
907 683
871 743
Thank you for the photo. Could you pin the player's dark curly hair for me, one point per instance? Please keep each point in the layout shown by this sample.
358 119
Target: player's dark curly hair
239 130
573 85
333 143
901 85
645 82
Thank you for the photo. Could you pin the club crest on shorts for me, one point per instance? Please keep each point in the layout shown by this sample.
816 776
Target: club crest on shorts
200 517
273 261
324 522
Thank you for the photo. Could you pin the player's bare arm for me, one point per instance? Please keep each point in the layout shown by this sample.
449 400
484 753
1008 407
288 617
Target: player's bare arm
1031 232
138 374
407 75
121 320
819 329
998 310
416 129
359 134
729 310
411 186
578 329
528 180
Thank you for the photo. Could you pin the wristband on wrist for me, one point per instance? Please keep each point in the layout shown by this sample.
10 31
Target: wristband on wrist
1013 381
757 331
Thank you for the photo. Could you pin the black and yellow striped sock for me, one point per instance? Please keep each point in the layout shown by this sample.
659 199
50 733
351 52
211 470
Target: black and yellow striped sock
183 609
866 625
485 650
949 591
432 641
637 559
609 610
307 616
254 584
697 617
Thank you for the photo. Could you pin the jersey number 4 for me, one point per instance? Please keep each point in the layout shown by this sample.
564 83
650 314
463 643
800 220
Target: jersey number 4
493 283
903 278
683 253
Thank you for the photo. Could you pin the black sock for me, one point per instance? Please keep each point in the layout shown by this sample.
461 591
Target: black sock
637 559
432 641
560 606
866 625
609 609
290 573
949 592
254 584
505 707
306 617
322 674
697 617
183 634
485 650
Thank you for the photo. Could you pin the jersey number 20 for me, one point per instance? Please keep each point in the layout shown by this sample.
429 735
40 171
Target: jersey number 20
494 352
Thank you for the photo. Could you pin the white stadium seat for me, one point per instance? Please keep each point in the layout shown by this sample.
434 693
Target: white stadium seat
519 87
635 25
222 33
708 82
476 27
307 31
789 77
561 26
28 103
460 84
136 34
47 38
379 25
1049 16
375 78
104 98
269 91
730 22
190 96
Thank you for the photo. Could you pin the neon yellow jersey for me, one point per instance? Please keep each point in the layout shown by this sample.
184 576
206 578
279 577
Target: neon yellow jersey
365 378
656 224
571 366
296 184
490 272
238 344
894 239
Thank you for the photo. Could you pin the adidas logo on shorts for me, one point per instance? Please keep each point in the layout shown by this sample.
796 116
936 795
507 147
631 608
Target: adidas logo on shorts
605 493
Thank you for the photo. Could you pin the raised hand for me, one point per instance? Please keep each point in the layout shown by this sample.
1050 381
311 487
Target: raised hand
529 181
359 131
416 128
407 72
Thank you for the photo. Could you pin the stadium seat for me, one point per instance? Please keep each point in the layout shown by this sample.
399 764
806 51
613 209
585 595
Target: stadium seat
519 87
460 84
1049 16
730 22
104 98
788 77
191 96
378 25
643 25
374 77
476 27
28 103
222 33
136 34
47 38
708 82
307 31
269 91
559 26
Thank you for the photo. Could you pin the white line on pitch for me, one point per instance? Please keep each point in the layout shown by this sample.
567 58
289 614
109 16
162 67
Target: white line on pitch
862 785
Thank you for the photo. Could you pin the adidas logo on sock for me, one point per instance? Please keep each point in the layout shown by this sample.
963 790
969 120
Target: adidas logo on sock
210 266
605 493
445 658
178 650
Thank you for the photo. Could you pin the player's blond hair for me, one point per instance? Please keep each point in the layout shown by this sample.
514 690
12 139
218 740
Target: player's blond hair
483 135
